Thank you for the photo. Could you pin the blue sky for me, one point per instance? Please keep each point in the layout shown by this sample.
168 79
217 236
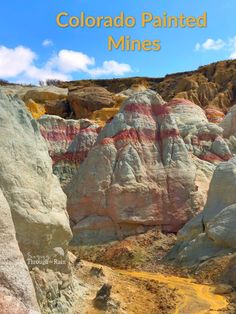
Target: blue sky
33 47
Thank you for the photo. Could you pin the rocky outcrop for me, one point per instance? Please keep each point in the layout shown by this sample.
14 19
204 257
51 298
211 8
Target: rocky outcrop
33 193
44 94
59 108
69 142
104 115
229 123
35 109
212 232
48 99
202 138
214 115
210 86
138 174
17 293
84 101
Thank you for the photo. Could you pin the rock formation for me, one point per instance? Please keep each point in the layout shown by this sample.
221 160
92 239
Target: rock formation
84 101
203 139
44 94
229 123
33 193
210 86
212 232
138 174
69 142
36 110
214 115
17 293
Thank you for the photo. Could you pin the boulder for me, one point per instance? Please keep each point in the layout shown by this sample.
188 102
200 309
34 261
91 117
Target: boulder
85 100
202 138
33 193
139 174
135 88
69 142
229 123
216 224
17 293
59 108
46 93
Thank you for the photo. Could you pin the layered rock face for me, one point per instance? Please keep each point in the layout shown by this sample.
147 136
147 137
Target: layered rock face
214 115
85 100
47 99
212 232
33 193
41 100
138 174
69 142
17 293
211 86
202 138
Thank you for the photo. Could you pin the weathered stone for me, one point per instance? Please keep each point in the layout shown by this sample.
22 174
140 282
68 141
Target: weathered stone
36 110
69 142
103 296
33 193
202 138
59 108
214 115
216 224
229 122
138 174
85 100
43 94
17 293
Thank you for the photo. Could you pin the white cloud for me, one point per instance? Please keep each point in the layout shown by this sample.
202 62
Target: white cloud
211 44
233 55
111 68
34 73
233 48
197 47
15 61
228 46
19 64
47 43
71 61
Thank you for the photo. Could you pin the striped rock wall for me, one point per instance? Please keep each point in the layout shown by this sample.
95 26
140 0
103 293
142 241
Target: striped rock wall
139 174
204 139
69 142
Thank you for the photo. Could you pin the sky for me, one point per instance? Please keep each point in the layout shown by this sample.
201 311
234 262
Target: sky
33 48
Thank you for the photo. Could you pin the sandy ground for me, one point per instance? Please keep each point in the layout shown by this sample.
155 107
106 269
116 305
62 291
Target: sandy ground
129 295
142 284
135 292
194 298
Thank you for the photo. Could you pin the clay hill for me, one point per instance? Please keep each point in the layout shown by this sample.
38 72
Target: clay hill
138 174
211 86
